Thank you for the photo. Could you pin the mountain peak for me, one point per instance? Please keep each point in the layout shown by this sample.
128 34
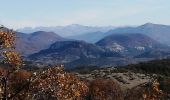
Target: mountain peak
148 24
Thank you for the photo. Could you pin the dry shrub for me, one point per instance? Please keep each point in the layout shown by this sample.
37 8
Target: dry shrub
51 84
55 84
105 89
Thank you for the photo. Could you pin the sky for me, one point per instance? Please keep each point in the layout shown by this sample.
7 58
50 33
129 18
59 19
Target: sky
32 13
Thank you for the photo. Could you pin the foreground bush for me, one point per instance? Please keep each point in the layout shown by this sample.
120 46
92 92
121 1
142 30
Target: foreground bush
105 89
55 84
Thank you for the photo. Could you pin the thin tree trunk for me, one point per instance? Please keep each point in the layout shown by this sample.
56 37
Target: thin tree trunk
5 95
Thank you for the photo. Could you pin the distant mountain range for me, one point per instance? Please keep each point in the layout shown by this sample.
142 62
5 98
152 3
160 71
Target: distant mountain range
69 30
102 46
158 32
115 49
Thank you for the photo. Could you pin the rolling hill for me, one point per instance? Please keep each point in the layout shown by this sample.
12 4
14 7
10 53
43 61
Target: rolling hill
68 51
130 44
34 42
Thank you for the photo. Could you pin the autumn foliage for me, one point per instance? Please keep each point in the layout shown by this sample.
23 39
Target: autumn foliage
154 92
56 84
7 38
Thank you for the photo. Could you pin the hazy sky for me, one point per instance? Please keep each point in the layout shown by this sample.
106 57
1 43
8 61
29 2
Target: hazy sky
25 13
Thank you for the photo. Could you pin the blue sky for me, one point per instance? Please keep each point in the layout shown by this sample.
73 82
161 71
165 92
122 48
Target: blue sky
31 13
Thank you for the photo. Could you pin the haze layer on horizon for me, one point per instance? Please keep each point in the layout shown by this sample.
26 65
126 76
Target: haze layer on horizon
32 13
